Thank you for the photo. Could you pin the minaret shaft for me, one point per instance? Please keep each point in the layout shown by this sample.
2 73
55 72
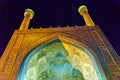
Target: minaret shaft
88 20
28 15
84 12
25 24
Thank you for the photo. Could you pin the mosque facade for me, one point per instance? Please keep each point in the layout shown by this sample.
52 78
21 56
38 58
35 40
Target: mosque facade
61 53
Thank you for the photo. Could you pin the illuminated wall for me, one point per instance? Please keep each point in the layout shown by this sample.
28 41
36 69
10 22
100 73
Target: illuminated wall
63 53
58 60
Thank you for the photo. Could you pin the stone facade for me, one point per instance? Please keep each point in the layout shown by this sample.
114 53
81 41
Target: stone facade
92 38
96 50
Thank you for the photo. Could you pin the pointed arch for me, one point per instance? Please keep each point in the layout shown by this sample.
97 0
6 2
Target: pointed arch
45 40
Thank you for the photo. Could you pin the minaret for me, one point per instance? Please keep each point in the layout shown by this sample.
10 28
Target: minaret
28 15
84 12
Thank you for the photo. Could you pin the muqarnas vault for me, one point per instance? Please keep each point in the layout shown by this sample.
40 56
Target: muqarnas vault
63 53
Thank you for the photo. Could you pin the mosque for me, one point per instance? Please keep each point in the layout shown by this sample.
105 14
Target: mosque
61 53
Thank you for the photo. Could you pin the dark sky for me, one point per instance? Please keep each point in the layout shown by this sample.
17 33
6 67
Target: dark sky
105 13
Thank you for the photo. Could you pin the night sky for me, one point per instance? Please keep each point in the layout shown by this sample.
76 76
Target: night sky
105 13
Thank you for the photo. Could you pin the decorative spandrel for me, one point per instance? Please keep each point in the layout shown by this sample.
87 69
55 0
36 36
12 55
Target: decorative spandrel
58 61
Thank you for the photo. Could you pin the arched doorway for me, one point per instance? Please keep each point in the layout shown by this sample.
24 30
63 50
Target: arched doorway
58 60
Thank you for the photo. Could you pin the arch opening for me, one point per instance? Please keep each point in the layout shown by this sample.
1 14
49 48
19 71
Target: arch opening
58 60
